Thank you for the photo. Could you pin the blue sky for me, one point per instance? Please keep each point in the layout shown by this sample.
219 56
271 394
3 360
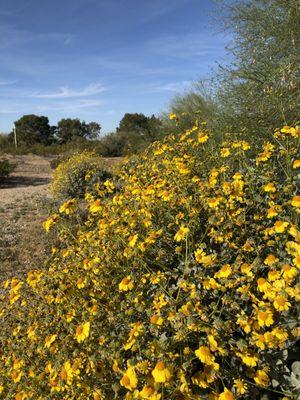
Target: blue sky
97 59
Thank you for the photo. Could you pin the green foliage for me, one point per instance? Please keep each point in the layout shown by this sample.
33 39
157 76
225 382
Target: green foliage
33 129
74 174
134 133
69 129
260 89
197 103
6 168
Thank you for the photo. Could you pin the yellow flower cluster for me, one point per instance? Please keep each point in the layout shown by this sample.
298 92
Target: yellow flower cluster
178 282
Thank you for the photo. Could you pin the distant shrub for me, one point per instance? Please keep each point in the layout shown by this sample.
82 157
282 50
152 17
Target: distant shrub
5 169
75 174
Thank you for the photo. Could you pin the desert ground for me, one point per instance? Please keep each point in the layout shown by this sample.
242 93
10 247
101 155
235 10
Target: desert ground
24 203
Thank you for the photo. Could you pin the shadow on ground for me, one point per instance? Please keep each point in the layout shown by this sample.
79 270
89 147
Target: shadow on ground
23 181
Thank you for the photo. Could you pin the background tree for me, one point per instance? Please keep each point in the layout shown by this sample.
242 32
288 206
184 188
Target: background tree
134 133
197 103
70 129
33 129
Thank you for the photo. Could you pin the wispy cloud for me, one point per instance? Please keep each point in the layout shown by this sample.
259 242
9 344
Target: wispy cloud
4 82
188 45
11 35
174 86
68 106
65 92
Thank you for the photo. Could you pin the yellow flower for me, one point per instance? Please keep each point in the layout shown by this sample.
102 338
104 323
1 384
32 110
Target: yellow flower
204 355
280 226
213 202
270 188
82 332
68 207
226 395
156 320
225 152
265 318
132 240
95 206
49 340
249 359
181 234
241 386
172 116
224 272
49 222
288 271
202 258
161 373
31 333
273 211
21 396
126 284
67 373
202 137
296 201
281 303
296 164
16 375
261 378
149 393
270 260
129 379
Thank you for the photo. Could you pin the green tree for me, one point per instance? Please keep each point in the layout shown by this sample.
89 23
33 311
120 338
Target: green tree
147 127
134 133
260 89
70 129
34 129
195 104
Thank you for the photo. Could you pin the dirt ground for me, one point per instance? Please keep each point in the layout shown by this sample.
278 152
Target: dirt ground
25 203
31 177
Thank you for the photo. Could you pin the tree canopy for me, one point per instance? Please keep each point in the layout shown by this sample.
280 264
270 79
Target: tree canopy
69 129
260 89
34 129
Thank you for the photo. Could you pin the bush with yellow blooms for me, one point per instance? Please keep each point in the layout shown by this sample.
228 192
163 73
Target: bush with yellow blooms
179 284
75 174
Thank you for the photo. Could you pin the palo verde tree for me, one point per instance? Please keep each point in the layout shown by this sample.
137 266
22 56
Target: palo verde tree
260 89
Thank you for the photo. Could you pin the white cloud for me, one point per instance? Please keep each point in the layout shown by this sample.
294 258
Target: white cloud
70 106
65 92
189 45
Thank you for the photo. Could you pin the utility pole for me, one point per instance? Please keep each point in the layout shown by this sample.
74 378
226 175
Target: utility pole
15 136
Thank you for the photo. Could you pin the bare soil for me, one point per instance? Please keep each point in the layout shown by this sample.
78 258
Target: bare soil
24 204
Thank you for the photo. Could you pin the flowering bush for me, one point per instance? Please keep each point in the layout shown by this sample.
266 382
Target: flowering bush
181 284
75 174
